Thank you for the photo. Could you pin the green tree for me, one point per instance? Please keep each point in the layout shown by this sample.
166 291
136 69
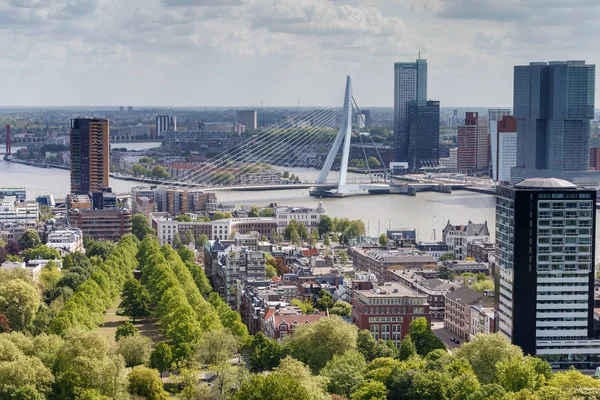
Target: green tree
100 248
222 215
326 240
373 162
306 306
345 372
325 225
267 213
29 239
423 337
253 212
343 256
270 271
139 170
265 353
161 357
183 218
24 378
484 353
315 344
447 257
372 349
19 302
135 299
446 273
285 175
177 243
134 349
41 252
201 241
216 347
488 392
160 172
314 238
482 286
407 348
145 382
383 240
140 227
341 308
126 329
370 390
325 300
146 160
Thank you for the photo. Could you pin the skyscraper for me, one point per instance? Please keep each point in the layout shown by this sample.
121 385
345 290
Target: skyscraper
165 123
545 264
410 84
473 144
89 155
248 118
423 135
554 103
504 148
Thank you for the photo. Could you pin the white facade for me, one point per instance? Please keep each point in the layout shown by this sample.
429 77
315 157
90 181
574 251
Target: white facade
450 164
67 241
309 217
165 123
18 213
507 155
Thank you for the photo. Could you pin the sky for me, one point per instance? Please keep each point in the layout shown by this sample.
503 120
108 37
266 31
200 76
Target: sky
239 52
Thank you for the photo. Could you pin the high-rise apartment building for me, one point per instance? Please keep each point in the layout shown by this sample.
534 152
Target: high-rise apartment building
165 123
248 118
423 135
554 103
473 144
495 115
89 155
410 84
545 265
504 148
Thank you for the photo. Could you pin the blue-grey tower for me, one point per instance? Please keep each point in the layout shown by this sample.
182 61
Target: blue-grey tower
410 85
553 104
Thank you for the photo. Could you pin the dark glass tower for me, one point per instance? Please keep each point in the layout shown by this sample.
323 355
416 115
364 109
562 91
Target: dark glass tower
423 134
89 155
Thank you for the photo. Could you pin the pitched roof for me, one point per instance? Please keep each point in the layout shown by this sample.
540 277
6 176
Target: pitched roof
300 319
464 295
310 252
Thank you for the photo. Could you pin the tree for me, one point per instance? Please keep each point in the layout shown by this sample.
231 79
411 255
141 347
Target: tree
140 227
139 169
423 338
372 349
146 160
326 240
19 302
341 308
285 175
134 349
482 286
177 243
160 172
447 257
265 353
253 212
325 225
201 241
345 372
407 348
135 299
41 252
216 347
373 162
126 329
270 271
13 248
306 306
317 343
325 300
314 238
222 215
100 248
484 352
145 382
25 378
4 324
267 213
183 218
29 239
383 240
161 357
371 390
343 256
446 273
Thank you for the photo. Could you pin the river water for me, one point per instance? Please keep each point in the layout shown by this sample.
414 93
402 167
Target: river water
428 212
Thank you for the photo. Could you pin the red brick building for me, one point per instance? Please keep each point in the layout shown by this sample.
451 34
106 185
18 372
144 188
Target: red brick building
473 144
387 310
277 324
595 158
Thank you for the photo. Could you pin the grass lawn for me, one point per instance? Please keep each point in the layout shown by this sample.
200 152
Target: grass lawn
147 326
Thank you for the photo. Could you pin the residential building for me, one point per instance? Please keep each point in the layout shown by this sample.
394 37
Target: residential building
482 320
309 217
381 262
460 267
20 194
457 237
176 201
435 289
553 105
481 250
450 163
545 262
423 134
434 249
504 148
279 323
248 118
12 211
410 84
473 145
165 123
66 241
458 317
595 158
89 155
143 205
137 130
33 270
107 224
387 310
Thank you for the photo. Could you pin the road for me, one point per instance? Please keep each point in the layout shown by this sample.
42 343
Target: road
439 331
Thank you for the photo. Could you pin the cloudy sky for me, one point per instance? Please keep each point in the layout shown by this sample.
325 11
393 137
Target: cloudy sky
237 52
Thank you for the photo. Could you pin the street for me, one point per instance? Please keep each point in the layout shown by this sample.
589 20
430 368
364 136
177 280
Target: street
438 329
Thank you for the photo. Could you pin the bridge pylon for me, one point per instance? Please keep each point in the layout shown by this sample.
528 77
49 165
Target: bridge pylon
342 139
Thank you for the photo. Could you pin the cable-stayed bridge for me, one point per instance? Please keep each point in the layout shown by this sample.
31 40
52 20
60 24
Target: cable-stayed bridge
313 143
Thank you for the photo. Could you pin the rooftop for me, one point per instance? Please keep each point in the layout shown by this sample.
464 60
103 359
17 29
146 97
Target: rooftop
545 183
390 289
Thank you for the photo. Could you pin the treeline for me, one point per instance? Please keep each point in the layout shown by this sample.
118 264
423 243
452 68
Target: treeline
85 309
183 312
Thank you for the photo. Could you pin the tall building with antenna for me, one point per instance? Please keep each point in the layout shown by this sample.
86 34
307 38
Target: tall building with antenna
410 85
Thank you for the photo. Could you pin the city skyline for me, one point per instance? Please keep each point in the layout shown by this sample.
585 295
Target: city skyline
122 52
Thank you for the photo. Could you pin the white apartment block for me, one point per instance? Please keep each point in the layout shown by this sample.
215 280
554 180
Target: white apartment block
66 241
12 211
309 217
